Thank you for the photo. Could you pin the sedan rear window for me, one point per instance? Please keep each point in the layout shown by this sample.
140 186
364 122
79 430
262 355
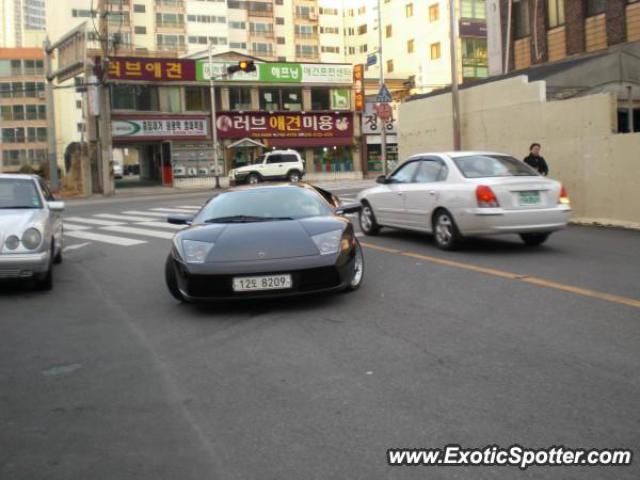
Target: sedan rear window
19 193
481 166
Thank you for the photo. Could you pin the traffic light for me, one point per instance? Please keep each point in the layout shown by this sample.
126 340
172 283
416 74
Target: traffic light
244 65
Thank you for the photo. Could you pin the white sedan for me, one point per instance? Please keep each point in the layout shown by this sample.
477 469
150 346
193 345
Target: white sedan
30 229
459 194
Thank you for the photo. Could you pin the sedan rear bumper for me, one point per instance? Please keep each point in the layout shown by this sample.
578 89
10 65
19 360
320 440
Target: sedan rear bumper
492 221
23 265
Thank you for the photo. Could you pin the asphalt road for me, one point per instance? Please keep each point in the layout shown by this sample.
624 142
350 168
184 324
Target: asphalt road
107 377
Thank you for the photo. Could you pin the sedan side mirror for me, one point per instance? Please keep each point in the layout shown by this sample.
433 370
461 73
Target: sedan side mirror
56 206
179 219
383 180
348 208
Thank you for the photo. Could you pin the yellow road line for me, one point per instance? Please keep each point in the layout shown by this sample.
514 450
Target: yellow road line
540 282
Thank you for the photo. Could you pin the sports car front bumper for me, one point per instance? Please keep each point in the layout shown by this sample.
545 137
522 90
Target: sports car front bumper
214 281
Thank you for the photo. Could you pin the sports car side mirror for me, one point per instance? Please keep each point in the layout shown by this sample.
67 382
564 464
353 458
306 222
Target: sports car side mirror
348 208
179 219
56 206
383 180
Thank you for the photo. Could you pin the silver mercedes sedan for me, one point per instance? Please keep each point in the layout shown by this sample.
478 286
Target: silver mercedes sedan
459 194
30 229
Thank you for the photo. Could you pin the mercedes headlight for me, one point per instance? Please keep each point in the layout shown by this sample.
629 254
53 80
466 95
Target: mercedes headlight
12 242
31 239
329 242
195 251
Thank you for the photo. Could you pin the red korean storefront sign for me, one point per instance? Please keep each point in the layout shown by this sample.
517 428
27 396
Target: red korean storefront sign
314 128
151 69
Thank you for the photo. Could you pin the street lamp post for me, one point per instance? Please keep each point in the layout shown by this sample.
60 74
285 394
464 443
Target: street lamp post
214 130
455 95
383 129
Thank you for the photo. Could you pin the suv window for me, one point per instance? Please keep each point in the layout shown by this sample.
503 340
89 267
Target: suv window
431 170
405 173
274 159
289 158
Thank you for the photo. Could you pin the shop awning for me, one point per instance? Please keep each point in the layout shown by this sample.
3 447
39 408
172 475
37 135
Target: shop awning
246 143
308 142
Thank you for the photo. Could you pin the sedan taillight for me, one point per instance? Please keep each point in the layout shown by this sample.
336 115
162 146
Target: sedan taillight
564 196
486 198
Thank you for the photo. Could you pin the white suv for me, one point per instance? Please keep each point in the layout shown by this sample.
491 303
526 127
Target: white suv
273 165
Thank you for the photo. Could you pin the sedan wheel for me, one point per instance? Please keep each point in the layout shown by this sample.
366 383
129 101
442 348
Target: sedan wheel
252 179
368 222
445 231
358 268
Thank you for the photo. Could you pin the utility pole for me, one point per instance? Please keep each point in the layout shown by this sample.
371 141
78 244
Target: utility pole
383 129
455 95
105 170
51 121
214 129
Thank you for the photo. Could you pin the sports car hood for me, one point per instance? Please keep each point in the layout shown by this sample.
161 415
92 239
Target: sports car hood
17 221
236 242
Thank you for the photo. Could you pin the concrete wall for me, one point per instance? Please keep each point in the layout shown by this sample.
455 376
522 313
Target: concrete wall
600 168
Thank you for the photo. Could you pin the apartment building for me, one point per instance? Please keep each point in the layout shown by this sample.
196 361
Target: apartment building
23 114
22 23
560 29
415 39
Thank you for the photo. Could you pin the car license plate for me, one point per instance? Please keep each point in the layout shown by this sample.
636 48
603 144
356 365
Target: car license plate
266 282
529 198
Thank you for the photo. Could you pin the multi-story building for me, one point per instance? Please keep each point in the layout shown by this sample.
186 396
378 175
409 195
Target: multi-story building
415 39
22 23
560 29
23 115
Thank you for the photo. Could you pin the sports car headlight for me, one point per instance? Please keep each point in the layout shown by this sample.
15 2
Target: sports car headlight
329 242
31 238
195 251
12 242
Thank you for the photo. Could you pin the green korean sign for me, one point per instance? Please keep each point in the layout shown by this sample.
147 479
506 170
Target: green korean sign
279 73
340 99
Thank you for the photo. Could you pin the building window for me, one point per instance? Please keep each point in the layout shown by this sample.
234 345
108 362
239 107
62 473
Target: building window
388 31
410 46
320 99
362 29
198 99
138 30
291 99
474 58
280 40
555 10
435 51
138 8
434 12
240 98
596 7
473 9
279 20
238 25
143 98
330 49
389 66
408 10
269 99
363 48
521 19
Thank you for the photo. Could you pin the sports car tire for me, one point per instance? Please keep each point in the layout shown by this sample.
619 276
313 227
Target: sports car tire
358 270
172 280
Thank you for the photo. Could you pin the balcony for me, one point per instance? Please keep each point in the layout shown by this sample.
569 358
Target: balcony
170 6
311 17
261 33
170 27
306 35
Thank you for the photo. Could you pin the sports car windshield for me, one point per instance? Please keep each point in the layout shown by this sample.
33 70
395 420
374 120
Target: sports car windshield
263 204
480 166
19 193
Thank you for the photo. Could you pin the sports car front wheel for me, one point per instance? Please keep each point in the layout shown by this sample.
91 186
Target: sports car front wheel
358 269
172 280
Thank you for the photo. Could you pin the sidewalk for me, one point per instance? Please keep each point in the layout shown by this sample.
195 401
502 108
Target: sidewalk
150 193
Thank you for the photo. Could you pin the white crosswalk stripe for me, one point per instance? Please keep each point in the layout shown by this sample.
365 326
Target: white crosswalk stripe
98 237
146 214
126 218
92 221
74 227
171 210
188 207
161 225
139 231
